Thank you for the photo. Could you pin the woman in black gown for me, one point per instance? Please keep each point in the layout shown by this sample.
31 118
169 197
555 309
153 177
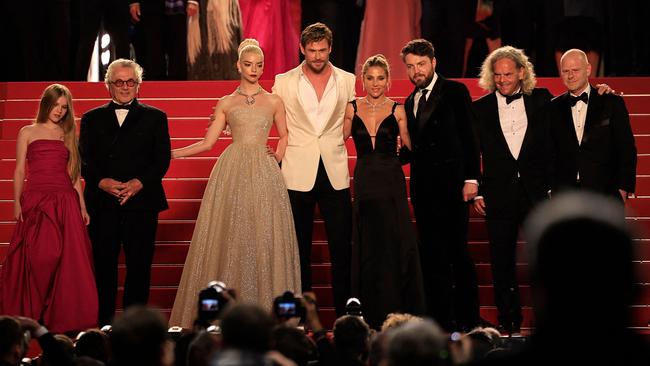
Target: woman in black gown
386 272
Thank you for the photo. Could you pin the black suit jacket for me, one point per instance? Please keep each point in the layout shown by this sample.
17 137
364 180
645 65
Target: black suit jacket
500 168
444 152
606 158
140 149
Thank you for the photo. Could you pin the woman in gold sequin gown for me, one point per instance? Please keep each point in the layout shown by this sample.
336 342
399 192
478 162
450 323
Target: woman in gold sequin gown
244 233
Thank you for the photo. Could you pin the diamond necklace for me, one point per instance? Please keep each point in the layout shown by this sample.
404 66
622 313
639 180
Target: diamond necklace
250 99
375 106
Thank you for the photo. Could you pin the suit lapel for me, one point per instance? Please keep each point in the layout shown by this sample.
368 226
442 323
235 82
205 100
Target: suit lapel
295 91
528 105
567 117
339 82
432 101
408 106
131 117
593 111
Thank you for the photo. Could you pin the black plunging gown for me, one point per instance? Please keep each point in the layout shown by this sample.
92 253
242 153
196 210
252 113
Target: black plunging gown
387 276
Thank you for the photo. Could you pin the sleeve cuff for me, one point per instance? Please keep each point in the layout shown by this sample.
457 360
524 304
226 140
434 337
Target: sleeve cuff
473 181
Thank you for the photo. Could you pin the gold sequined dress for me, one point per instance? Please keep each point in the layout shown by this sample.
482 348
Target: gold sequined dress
244 234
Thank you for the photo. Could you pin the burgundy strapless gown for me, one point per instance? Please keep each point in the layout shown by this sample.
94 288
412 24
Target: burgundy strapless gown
48 273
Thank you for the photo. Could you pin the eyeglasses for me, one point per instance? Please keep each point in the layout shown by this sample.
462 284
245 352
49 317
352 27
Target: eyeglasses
120 83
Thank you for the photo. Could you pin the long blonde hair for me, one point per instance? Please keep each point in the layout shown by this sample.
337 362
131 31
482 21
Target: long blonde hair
48 100
486 77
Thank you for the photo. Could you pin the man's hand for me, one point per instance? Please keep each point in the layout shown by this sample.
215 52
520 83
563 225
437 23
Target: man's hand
131 188
604 89
112 186
479 206
311 311
470 190
134 9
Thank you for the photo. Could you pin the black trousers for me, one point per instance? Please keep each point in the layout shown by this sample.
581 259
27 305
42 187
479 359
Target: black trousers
503 230
336 209
448 272
110 231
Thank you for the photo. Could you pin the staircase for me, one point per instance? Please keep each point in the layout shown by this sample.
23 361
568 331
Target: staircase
188 104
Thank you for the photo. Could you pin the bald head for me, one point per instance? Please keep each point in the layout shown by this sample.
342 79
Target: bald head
575 70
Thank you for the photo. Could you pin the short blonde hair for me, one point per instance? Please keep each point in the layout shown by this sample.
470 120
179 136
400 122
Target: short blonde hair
520 59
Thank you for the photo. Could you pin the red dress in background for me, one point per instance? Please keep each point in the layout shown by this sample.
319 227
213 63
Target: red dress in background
48 273
270 23
386 27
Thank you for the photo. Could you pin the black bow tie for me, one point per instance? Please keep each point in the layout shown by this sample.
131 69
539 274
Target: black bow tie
115 106
511 98
583 97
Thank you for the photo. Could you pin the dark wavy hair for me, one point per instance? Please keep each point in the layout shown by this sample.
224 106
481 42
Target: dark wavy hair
419 47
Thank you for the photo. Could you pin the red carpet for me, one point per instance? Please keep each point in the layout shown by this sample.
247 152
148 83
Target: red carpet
189 103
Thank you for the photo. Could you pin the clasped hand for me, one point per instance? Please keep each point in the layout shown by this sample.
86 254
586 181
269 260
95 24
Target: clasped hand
122 191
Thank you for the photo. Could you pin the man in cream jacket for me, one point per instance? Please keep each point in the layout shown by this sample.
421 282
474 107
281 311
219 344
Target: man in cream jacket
315 165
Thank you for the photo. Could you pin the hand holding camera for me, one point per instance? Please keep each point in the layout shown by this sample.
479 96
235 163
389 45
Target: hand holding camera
289 308
212 301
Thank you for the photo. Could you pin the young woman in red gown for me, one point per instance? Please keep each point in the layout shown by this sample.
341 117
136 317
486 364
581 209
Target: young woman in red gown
47 274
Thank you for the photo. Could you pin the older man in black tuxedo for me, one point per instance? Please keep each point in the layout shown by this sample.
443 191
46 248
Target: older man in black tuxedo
594 144
516 150
444 173
125 152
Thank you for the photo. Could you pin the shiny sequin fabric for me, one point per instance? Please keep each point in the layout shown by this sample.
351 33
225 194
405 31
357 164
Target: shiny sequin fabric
244 234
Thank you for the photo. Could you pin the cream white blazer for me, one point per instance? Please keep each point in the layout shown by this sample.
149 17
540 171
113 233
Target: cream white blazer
305 145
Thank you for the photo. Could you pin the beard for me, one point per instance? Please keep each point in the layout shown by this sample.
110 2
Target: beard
315 69
424 82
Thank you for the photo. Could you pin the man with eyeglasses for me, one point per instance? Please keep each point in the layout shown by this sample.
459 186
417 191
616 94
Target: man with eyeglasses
125 151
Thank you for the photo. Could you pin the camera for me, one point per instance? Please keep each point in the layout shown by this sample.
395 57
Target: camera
211 302
353 307
288 306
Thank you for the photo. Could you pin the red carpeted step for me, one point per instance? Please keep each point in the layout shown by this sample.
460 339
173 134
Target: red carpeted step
195 127
148 89
189 103
642 144
640 123
202 166
643 165
643 185
189 107
642 250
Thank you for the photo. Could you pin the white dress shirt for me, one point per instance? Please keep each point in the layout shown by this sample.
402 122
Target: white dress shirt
318 112
579 114
514 122
121 113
